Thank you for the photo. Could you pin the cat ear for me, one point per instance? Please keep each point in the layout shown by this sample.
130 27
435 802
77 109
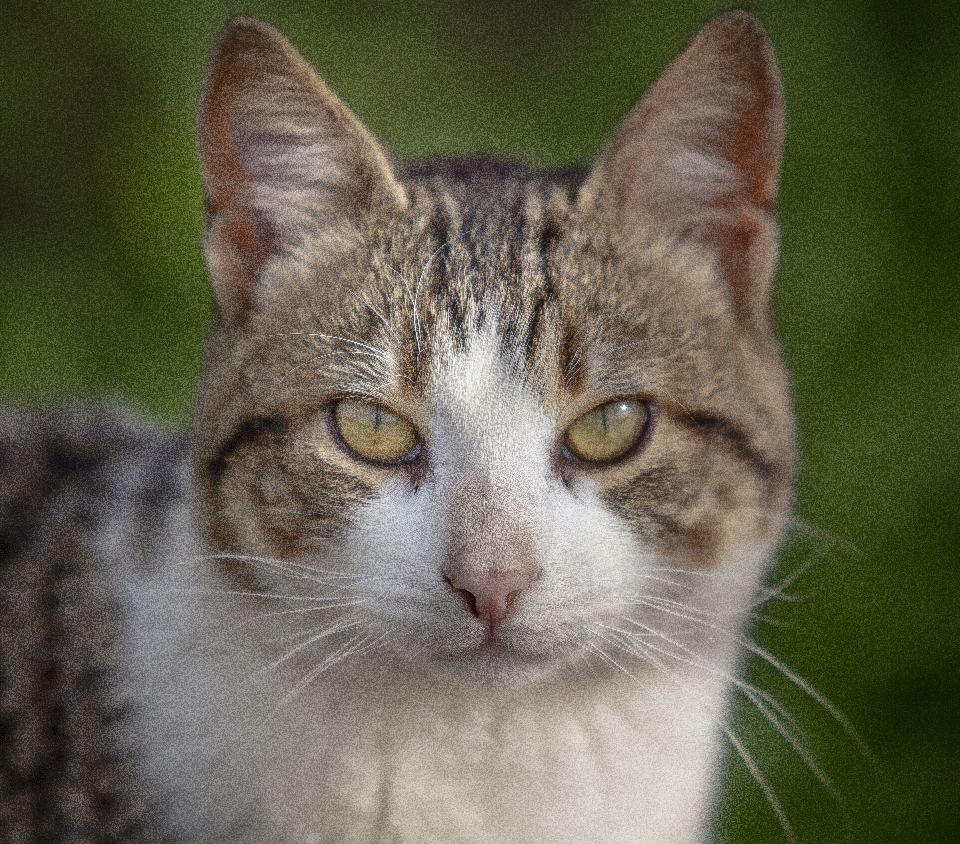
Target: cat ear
698 158
282 157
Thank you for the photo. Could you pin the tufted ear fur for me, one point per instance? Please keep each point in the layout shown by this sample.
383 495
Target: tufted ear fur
698 159
282 157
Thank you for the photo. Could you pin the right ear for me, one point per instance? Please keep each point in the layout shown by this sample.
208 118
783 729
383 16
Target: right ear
282 158
699 159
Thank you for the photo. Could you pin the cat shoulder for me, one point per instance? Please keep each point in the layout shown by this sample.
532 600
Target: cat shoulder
49 456
66 477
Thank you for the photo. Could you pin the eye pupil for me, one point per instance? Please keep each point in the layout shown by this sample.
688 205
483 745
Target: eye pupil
374 432
608 431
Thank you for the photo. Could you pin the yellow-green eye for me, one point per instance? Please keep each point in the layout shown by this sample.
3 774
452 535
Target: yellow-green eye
374 432
608 431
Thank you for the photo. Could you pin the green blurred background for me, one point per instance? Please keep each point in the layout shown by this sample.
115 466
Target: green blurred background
102 292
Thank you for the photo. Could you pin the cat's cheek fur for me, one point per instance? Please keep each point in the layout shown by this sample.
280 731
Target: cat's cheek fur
591 568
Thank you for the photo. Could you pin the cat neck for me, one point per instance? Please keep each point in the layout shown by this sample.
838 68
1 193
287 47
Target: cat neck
383 749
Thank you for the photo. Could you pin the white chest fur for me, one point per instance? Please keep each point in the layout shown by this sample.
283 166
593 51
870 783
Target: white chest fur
614 735
376 751
374 754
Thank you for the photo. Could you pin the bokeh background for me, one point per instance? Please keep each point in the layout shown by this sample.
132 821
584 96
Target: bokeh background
102 293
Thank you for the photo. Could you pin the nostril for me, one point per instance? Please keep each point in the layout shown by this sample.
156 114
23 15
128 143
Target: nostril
490 596
469 598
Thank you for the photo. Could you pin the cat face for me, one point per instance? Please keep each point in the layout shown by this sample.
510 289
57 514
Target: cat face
485 416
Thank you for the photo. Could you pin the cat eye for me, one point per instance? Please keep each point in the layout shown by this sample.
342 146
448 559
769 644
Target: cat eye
608 431
375 433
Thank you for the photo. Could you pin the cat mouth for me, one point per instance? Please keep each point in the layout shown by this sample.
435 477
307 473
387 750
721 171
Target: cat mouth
496 662
506 650
494 647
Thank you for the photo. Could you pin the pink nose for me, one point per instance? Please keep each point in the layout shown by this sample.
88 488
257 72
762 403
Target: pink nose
491 595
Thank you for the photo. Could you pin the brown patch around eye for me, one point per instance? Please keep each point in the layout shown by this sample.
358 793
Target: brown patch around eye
608 431
374 432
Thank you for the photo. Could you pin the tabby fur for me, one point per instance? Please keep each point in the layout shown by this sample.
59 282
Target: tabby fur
250 634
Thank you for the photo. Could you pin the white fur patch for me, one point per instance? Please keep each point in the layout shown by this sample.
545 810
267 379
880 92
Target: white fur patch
597 719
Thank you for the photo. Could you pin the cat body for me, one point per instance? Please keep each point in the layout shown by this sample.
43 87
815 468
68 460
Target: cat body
486 469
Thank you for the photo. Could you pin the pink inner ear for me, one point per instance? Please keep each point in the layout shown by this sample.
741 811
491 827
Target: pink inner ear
283 160
745 224
753 145
699 157
733 238
223 170
243 238
251 241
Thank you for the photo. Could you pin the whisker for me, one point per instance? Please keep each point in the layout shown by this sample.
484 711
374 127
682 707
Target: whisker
776 591
685 572
642 598
761 781
768 706
741 750
643 655
272 561
320 608
751 693
377 313
337 656
607 658
667 580
311 639
413 311
812 531
291 574
771 621
416 293
633 646
787 672
236 593
369 350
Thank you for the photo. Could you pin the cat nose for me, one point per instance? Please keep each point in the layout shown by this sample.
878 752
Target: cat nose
491 595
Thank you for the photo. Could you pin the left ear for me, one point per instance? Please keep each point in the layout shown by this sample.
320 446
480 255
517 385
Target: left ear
698 158
284 160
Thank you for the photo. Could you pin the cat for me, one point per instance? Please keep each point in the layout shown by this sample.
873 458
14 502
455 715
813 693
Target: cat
487 466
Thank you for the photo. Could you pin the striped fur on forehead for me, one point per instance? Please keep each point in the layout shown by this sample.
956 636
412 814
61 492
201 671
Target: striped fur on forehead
490 229
494 249
477 249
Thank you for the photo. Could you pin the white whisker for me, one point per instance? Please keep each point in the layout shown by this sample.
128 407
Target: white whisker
738 745
377 313
332 605
273 561
413 311
668 581
768 706
311 639
237 593
369 350
761 781
416 294
787 672
324 665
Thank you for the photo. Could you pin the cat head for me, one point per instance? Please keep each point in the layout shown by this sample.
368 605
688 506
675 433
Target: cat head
486 409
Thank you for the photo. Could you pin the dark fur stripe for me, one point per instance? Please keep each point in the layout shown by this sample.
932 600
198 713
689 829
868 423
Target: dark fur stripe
247 431
652 502
736 440
66 773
